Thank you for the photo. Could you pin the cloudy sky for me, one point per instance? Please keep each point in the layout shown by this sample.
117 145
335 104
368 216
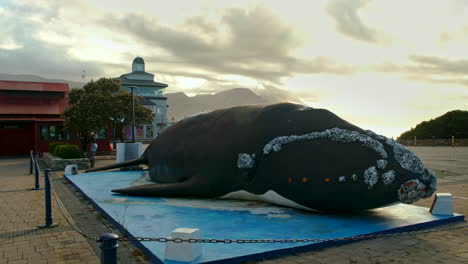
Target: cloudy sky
383 65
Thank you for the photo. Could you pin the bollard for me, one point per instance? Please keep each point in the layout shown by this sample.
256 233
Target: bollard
108 247
442 204
36 173
48 202
31 162
183 252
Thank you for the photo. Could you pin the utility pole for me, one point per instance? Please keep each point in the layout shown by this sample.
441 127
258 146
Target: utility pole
133 113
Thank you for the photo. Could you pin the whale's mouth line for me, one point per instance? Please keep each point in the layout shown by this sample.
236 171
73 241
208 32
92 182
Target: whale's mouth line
269 196
408 192
370 175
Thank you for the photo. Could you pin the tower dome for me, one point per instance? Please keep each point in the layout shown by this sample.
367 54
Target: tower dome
138 65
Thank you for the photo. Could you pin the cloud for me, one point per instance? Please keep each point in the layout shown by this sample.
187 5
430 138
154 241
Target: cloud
253 43
439 66
348 22
431 69
32 55
238 47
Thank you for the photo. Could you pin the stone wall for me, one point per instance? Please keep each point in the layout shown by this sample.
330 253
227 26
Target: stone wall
56 164
434 142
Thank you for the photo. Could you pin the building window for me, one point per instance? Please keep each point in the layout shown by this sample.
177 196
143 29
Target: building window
101 134
53 132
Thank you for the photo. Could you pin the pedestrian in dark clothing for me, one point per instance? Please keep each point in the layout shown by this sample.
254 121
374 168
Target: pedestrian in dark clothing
84 142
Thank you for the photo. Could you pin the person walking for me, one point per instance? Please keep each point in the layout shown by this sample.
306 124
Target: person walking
93 149
84 142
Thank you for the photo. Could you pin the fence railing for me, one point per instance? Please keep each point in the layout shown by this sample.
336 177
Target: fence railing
434 142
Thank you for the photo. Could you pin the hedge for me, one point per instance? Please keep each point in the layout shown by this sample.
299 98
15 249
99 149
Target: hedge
53 145
68 151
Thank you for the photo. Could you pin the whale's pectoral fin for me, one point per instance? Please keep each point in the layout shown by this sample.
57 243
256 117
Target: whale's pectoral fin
138 161
182 189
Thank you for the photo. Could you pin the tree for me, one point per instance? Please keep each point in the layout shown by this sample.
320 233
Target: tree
453 123
102 104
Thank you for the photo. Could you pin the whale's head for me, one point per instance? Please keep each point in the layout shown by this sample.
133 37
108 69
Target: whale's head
341 168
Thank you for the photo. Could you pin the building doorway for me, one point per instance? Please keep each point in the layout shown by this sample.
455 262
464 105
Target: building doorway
16 138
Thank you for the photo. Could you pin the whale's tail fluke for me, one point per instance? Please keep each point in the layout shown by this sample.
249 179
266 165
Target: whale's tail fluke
138 161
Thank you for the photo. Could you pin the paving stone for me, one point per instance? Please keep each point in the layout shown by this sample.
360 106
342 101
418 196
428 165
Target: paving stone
26 211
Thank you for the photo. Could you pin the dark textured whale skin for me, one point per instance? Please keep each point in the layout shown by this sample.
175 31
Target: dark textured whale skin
198 157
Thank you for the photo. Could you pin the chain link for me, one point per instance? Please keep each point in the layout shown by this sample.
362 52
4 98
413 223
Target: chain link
248 241
69 221
62 211
304 240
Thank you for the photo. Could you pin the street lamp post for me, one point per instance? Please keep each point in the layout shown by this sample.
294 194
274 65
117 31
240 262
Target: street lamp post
119 120
133 114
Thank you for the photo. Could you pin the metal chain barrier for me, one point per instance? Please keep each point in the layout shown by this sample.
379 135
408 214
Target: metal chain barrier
304 240
69 221
65 216
248 241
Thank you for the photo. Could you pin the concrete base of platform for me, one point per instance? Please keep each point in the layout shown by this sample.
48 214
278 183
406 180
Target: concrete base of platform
231 219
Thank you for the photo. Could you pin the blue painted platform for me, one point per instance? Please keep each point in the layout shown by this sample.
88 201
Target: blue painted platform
232 219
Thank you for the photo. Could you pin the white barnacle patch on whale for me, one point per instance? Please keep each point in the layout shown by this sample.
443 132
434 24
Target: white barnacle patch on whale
382 164
342 179
407 159
374 135
390 142
388 177
334 134
371 177
245 161
411 191
269 197
354 177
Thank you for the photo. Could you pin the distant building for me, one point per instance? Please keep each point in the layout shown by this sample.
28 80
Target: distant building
30 117
154 99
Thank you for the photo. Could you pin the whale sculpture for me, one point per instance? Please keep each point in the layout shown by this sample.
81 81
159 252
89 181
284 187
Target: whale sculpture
284 153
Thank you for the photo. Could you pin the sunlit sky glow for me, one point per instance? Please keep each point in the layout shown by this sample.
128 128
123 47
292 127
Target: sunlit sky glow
382 65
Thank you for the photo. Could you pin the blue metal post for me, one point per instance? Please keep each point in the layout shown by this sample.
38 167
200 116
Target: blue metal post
36 173
108 247
31 162
48 202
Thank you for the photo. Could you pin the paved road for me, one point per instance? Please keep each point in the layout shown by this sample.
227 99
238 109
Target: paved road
21 242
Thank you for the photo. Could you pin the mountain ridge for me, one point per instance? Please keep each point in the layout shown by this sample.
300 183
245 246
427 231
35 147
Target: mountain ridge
182 105
35 78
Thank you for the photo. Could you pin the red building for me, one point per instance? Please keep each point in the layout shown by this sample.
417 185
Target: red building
30 117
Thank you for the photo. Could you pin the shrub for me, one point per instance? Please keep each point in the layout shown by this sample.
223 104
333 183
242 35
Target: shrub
68 151
53 145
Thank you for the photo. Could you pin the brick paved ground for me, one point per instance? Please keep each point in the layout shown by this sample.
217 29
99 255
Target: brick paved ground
21 212
21 242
